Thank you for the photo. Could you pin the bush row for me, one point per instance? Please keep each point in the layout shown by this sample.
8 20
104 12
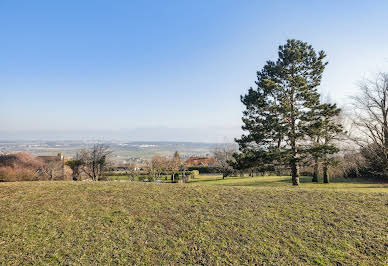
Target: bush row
205 169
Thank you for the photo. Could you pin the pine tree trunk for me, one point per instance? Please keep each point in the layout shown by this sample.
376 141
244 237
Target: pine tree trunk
316 169
325 172
294 173
294 165
294 162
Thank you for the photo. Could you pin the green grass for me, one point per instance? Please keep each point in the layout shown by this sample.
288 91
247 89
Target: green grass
146 223
337 184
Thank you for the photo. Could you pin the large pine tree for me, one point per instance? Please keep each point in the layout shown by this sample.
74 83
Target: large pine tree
278 111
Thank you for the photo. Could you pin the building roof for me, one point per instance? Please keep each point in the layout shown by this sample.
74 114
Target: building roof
50 158
200 161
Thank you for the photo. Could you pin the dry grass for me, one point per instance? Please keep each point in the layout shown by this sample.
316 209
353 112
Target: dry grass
126 223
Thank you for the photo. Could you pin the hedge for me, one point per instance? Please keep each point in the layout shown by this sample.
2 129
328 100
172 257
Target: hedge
206 169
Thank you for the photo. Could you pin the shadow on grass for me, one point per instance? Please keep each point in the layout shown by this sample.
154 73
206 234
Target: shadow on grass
285 181
308 179
198 180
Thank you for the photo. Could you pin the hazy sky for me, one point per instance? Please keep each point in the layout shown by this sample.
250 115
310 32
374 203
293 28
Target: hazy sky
178 68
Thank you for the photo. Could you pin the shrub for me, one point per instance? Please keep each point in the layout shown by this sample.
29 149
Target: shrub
306 173
194 173
206 169
17 174
20 160
19 166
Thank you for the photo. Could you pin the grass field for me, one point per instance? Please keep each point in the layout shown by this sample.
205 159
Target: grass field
337 184
235 221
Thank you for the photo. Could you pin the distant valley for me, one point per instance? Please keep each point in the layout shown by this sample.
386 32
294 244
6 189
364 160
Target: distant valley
121 151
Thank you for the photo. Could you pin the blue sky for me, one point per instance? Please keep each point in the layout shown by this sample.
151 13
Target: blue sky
131 69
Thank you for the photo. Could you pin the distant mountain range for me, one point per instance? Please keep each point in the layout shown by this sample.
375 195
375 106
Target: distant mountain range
211 134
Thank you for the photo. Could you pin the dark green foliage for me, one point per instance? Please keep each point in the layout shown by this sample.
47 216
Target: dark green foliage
324 129
75 166
252 162
278 112
206 169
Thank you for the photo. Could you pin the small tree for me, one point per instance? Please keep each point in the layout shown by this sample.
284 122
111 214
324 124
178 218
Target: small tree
183 170
175 165
156 163
75 166
147 169
159 164
95 161
133 170
52 170
225 159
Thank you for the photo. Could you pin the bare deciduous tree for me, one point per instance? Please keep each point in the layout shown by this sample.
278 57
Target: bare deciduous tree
52 170
224 158
95 161
159 165
372 122
133 170
175 165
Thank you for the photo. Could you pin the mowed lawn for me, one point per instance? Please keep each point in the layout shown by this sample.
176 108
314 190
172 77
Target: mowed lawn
149 223
336 184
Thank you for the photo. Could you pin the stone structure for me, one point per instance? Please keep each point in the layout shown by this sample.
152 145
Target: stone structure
54 166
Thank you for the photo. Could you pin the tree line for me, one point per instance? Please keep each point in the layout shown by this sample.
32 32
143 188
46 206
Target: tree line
94 164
